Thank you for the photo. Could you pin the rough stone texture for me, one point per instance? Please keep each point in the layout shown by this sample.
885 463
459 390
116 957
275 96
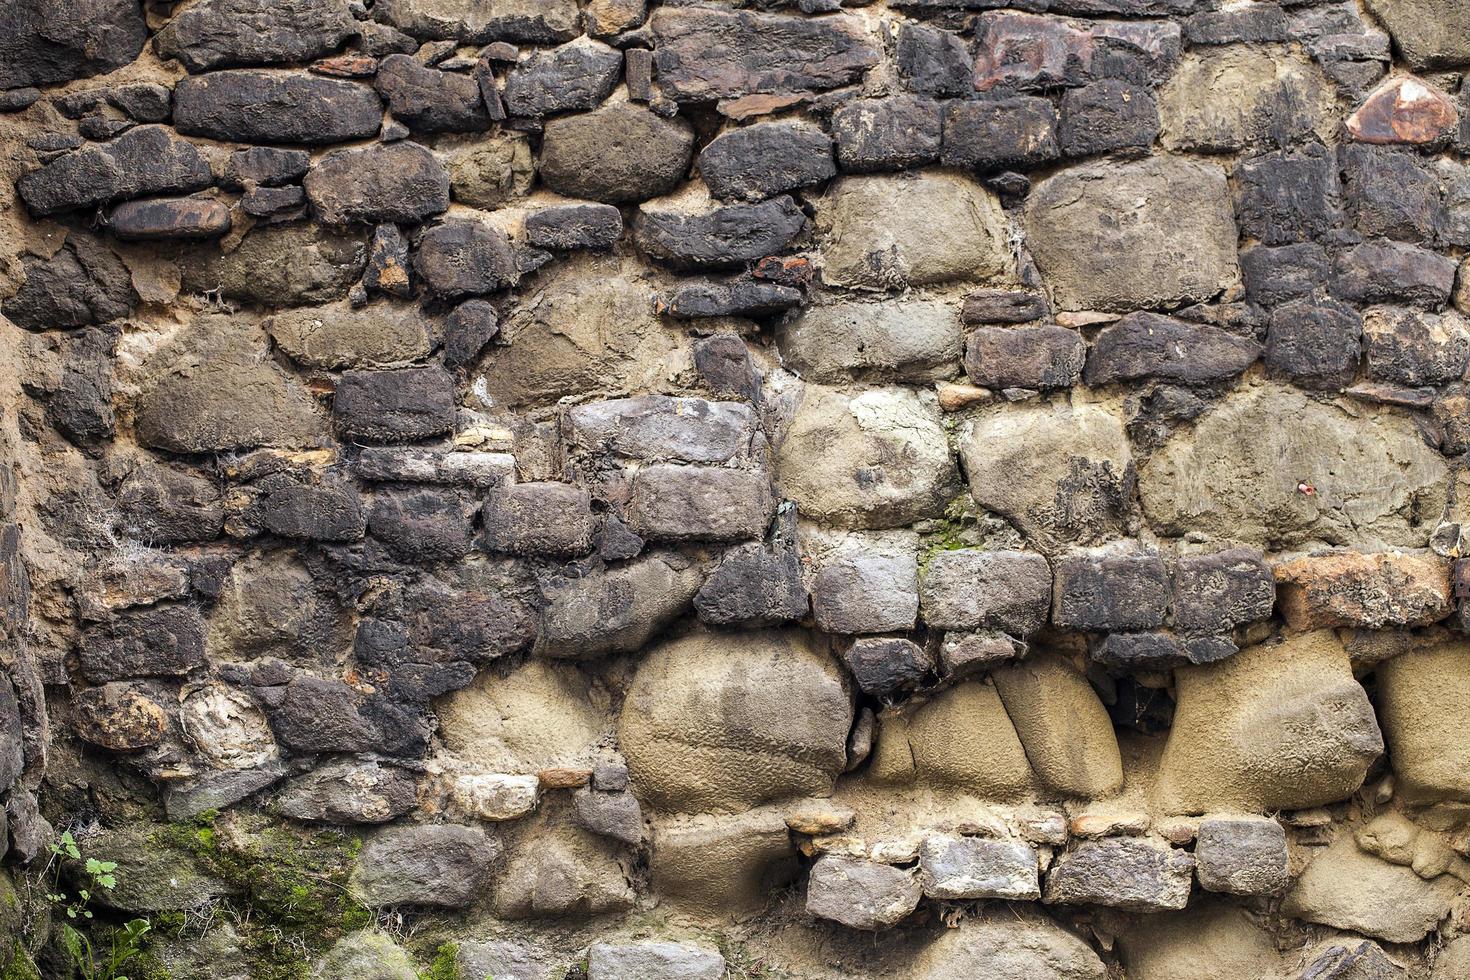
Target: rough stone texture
1171 237
694 745
1348 888
653 961
1423 714
398 182
861 894
1235 476
1130 873
227 33
437 864
1146 345
1429 33
764 159
960 739
144 160
1363 591
1231 97
902 341
620 152
1241 856
47 42
969 589
886 233
1277 726
275 107
972 867
1062 725
1009 944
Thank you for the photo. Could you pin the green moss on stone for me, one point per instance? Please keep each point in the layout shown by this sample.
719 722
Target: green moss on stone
444 966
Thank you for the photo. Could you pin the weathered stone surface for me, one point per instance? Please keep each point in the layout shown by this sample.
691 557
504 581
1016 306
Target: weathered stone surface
707 863
165 505
529 21
150 878
144 160
1393 193
704 53
45 41
1176 244
1060 473
1428 33
1423 713
620 152
1404 110
1411 348
885 667
348 792
1146 345
1236 476
332 337
393 182
561 872
994 133
738 297
266 106
653 961
1286 196
84 283
657 428
1013 942
1277 726
1364 591
399 405
488 171
465 257
888 232
187 218
866 584
697 503
288 265
510 958
717 237
615 610
960 739
420 524
1278 275
570 226
972 867
1041 358
826 463
907 340
1389 272
365 955
1317 344
428 100
1122 872
1349 889
1210 938
230 33
578 75
118 717
758 161
614 815
721 722
754 585
326 511
933 62
191 399
1027 52
538 519
971 589
887 134
158 641
1214 593
427 864
1111 590
861 894
266 166
1106 115
1226 98
1241 856
1062 725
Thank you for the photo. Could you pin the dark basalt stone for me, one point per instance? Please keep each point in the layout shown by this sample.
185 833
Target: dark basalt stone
401 183
274 106
431 101
230 33
145 160
187 218
723 236
43 42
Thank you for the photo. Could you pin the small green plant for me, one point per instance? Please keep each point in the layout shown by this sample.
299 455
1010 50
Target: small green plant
123 944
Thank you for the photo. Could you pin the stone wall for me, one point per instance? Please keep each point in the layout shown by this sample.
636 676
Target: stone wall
813 489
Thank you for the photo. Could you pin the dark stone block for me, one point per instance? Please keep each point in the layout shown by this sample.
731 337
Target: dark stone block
465 258
538 519
144 160
1392 193
1215 593
401 405
1277 275
83 284
266 166
885 667
887 134
421 524
985 306
1315 344
575 226
401 183
469 327
162 505
159 641
741 297
757 161
229 33
576 76
1147 345
43 42
722 236
313 512
1105 116
999 133
1286 196
620 152
81 406
1407 347
1042 357
270 106
186 218
1110 591
431 101
1388 272
933 62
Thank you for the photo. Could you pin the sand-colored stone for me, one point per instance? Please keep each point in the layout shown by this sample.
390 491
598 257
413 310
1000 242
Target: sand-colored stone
1009 943
1209 939
874 459
722 864
1278 726
543 714
380 335
1062 474
1424 705
1428 33
881 232
1064 728
1238 475
1229 97
1346 888
725 721
962 739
